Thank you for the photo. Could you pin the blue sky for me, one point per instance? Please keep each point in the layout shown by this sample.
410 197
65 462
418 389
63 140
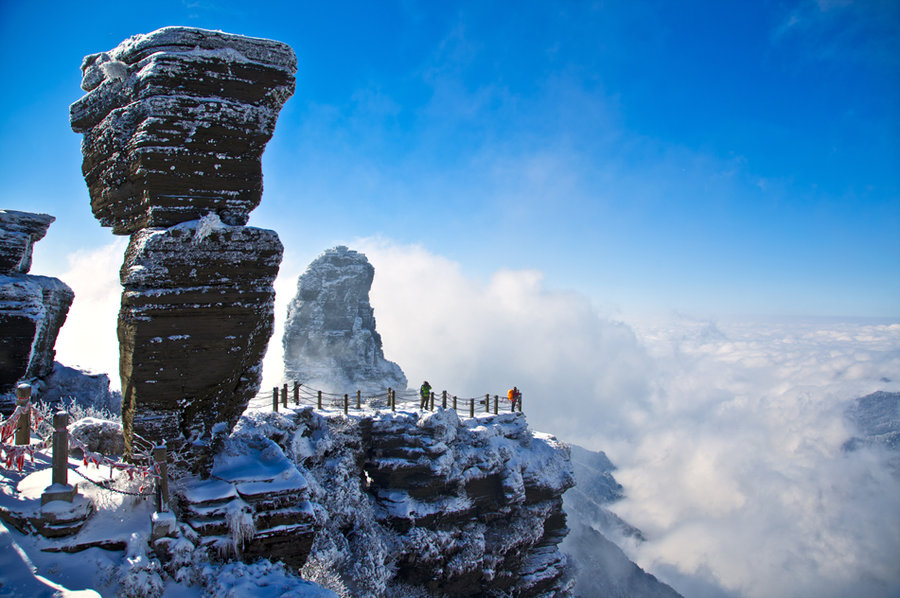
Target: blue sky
713 158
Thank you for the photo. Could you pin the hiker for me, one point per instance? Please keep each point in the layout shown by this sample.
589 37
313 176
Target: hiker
514 396
425 394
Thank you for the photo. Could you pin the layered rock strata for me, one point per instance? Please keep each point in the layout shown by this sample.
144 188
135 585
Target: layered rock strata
174 124
330 341
254 505
422 504
32 308
19 231
196 316
484 494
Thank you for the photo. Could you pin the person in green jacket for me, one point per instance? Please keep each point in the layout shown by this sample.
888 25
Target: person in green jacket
425 394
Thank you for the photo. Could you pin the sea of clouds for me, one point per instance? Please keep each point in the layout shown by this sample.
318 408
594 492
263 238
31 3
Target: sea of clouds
727 434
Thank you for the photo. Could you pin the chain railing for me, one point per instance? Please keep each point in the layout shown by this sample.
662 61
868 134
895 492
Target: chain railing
303 394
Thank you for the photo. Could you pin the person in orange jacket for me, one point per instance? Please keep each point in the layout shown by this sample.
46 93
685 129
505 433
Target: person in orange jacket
514 396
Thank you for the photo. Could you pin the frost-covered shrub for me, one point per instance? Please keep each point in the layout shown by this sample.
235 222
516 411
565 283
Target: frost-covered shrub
320 571
139 575
98 436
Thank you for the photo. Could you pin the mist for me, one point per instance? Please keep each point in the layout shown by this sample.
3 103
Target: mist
727 434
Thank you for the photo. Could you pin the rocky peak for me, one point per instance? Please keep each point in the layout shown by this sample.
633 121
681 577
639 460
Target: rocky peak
19 231
330 340
175 123
32 308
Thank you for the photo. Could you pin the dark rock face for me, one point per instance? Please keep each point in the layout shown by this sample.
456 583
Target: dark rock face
196 317
330 341
470 507
19 231
175 123
32 308
601 567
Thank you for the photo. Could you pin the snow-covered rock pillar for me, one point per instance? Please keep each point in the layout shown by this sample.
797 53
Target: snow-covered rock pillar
175 123
32 308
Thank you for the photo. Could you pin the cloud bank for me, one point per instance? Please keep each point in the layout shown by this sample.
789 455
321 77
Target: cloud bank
88 338
728 435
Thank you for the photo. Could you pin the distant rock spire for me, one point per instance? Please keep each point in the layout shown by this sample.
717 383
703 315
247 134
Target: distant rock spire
330 341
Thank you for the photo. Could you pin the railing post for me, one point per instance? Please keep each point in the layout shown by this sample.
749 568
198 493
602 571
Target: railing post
284 395
319 400
520 402
444 399
23 399
296 393
60 473
275 399
487 403
346 403
162 492
393 400
454 402
496 404
472 407
431 401
358 399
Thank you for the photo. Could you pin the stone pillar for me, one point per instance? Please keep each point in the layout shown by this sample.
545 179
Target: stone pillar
23 400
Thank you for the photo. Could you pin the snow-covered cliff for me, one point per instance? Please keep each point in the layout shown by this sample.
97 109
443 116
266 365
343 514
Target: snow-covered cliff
403 504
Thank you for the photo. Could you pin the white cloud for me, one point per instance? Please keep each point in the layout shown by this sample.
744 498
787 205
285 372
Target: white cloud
738 478
475 337
88 337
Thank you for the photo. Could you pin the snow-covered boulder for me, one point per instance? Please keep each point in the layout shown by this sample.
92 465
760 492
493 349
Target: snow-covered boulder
330 341
19 231
84 388
175 123
32 308
98 436
197 313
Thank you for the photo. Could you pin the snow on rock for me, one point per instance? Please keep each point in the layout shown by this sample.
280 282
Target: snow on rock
74 386
601 567
175 123
194 325
255 502
330 341
409 504
32 308
19 231
98 436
